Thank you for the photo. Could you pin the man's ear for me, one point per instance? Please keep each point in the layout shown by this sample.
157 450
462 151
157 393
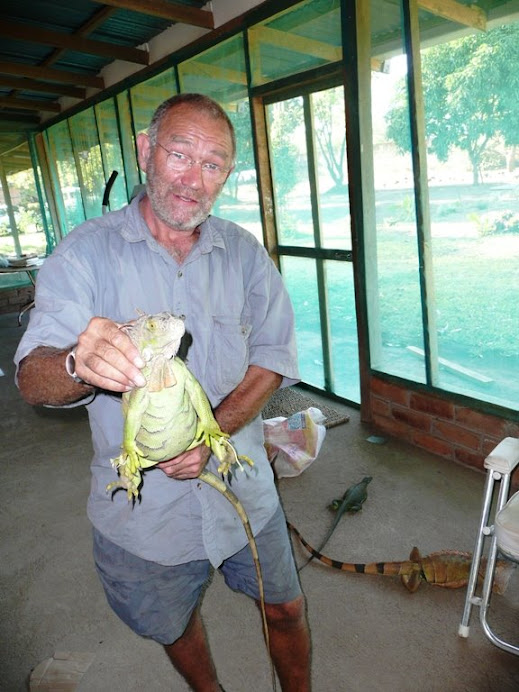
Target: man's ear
143 150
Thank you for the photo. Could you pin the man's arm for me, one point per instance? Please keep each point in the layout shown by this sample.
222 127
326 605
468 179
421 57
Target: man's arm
248 399
236 410
105 359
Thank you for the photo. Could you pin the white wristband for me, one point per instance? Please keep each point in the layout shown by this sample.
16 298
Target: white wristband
70 366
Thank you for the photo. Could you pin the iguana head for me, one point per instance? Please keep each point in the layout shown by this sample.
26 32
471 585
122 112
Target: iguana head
156 335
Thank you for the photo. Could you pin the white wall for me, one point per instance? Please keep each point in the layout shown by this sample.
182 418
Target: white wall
223 10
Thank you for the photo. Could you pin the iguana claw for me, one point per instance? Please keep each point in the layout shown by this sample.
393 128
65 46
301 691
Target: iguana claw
128 465
130 482
224 451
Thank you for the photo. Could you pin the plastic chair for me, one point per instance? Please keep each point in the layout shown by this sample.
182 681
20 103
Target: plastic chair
503 533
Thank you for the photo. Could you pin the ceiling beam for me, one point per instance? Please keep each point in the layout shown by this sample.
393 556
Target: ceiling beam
46 87
471 15
166 10
30 104
51 75
58 39
19 124
99 17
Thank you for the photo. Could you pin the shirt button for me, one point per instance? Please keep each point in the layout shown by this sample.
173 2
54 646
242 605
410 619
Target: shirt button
199 486
179 274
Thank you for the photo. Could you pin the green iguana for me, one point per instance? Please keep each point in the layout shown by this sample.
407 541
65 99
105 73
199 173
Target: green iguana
447 568
351 501
170 415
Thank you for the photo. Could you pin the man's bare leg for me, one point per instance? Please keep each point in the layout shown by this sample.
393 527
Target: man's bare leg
290 644
191 657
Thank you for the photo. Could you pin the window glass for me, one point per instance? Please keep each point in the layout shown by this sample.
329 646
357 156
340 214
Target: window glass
147 96
89 165
298 39
290 178
471 88
111 151
344 350
331 164
129 154
65 176
300 277
391 254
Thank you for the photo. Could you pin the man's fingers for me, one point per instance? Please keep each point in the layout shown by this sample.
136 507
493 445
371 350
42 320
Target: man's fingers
106 357
112 373
186 465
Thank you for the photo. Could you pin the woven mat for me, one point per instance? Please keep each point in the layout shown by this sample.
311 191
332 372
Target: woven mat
287 401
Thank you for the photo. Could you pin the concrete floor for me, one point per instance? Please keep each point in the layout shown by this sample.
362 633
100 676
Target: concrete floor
369 633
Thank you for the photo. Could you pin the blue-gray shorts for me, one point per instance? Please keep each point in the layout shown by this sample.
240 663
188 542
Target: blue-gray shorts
157 601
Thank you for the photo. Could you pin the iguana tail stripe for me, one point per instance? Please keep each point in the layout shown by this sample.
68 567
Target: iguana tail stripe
387 569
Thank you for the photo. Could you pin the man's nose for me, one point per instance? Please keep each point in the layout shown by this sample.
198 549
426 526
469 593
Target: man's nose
192 176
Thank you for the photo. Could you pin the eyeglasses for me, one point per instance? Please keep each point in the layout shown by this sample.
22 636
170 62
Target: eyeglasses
180 162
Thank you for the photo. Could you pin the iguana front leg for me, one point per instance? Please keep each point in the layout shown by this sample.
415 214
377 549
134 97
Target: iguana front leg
131 459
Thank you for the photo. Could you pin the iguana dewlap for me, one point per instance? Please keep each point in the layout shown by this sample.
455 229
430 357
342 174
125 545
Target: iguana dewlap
171 413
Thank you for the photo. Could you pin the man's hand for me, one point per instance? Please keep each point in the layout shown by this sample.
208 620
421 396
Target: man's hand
186 465
107 358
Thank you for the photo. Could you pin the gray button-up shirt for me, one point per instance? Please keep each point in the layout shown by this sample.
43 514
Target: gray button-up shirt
238 313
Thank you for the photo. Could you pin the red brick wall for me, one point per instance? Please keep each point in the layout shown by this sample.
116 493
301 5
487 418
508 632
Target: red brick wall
12 300
436 424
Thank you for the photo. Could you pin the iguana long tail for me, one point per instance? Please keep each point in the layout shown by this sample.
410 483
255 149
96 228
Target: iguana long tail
219 485
406 568
449 569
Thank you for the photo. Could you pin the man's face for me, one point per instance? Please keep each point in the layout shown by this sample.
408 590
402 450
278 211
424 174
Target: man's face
183 199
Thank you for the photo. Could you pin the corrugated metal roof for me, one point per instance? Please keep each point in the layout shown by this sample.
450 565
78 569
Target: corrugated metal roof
52 48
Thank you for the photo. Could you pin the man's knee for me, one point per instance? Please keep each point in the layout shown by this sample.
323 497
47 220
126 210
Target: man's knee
291 614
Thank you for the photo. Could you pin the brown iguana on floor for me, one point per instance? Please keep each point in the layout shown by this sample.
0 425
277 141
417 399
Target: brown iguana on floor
447 568
170 415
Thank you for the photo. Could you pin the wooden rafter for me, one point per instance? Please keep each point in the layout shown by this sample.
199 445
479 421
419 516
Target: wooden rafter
99 17
58 39
45 87
50 74
166 10
18 124
468 15
30 105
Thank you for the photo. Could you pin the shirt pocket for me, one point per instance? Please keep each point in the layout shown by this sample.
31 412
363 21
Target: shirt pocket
228 353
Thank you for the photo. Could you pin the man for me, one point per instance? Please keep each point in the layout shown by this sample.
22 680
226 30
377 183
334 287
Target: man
164 252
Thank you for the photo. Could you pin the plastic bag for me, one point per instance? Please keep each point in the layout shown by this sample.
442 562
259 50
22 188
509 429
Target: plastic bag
293 443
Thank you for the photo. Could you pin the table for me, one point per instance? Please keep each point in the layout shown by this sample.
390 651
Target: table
30 268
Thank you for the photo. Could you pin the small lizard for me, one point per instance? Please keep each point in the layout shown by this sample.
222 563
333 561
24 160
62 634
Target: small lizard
170 415
351 501
447 568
